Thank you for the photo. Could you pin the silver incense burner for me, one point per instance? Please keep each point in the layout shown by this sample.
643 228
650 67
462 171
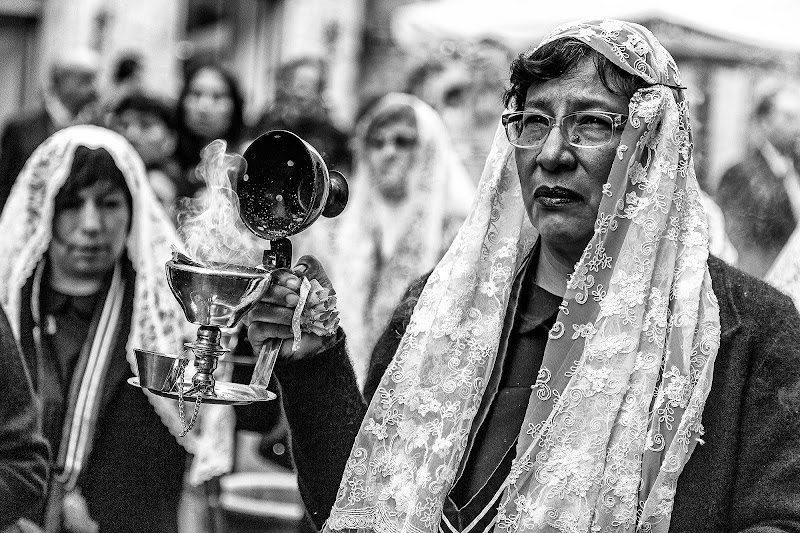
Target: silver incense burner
286 187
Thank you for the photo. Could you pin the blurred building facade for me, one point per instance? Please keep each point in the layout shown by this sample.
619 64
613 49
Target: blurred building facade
251 37
366 55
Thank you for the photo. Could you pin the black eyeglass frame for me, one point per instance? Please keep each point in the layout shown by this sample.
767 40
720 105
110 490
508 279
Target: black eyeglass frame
617 119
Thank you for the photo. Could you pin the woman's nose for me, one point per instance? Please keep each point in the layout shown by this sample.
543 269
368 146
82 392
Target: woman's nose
555 151
205 101
90 218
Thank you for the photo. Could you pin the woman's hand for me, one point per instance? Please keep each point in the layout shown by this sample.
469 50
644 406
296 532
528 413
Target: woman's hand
271 318
76 514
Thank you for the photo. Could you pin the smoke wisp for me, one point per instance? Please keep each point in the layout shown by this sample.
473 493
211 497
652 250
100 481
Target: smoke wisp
209 225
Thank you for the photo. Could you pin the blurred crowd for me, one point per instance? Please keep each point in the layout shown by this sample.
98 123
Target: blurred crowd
412 158
169 135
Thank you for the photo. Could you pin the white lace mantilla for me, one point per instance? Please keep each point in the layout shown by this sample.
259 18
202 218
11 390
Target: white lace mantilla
616 410
157 323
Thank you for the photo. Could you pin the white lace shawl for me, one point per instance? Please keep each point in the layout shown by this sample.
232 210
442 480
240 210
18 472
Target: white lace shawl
439 197
616 410
157 322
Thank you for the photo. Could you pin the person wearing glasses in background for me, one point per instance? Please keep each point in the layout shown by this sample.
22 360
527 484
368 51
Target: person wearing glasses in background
577 361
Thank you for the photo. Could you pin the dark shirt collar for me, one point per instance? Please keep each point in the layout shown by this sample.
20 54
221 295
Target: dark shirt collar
535 306
58 303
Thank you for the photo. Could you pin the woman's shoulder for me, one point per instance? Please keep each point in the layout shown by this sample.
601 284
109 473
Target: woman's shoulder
746 295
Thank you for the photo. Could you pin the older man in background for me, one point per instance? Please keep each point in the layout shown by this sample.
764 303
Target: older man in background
68 100
760 196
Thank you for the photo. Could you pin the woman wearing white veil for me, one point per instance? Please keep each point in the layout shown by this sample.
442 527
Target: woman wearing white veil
410 194
83 203
578 325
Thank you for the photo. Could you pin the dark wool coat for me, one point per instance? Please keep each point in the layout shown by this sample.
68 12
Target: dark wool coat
757 209
21 136
134 475
746 477
23 450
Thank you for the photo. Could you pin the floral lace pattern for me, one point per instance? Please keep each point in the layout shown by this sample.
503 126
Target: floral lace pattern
158 322
616 410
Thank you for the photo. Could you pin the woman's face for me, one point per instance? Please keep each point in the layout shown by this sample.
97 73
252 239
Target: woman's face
562 185
208 105
89 232
390 153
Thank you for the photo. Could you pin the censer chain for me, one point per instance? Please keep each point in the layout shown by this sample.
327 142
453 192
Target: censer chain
181 415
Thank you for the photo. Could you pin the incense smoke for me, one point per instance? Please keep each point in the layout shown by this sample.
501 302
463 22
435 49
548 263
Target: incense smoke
209 225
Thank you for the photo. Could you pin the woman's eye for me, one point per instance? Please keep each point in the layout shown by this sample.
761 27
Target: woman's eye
111 202
593 121
535 120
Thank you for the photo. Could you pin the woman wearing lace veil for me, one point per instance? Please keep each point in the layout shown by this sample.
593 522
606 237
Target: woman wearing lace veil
410 195
84 242
577 361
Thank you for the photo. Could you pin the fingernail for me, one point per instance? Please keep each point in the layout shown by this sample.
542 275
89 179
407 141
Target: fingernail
292 299
293 283
300 269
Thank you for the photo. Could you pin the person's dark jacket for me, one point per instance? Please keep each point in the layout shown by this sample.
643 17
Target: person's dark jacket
756 205
23 450
746 477
21 136
133 478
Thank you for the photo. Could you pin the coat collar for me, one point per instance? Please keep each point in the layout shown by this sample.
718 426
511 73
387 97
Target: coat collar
729 317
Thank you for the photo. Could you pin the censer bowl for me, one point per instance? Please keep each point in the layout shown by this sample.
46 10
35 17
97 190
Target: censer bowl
163 374
157 371
216 297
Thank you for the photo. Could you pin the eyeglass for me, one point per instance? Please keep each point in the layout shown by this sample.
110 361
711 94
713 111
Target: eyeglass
402 142
584 129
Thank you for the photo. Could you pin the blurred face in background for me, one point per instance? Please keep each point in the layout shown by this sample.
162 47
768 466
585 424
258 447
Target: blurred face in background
782 124
390 153
153 139
306 84
90 227
75 87
208 106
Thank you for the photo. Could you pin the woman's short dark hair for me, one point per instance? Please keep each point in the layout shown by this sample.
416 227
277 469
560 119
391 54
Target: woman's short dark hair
147 105
554 59
90 166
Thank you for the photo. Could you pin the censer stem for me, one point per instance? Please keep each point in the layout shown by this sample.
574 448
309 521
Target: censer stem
207 350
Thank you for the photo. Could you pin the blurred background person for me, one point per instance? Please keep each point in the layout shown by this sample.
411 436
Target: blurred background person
83 284
410 194
69 99
127 78
300 107
210 107
760 196
148 123
463 87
